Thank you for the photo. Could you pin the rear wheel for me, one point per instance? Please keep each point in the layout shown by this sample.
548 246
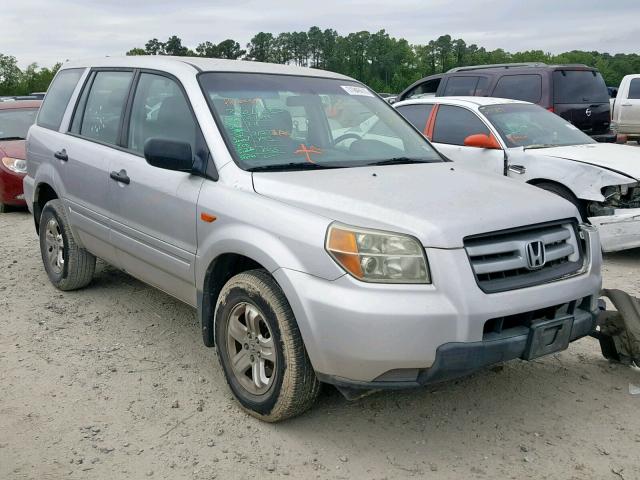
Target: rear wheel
261 350
566 194
68 266
3 207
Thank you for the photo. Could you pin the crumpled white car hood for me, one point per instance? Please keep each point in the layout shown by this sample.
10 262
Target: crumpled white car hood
623 159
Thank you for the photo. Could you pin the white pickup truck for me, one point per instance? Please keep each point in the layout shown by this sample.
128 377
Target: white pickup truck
625 109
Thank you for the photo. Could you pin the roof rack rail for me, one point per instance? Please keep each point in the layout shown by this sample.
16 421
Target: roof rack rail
582 65
497 65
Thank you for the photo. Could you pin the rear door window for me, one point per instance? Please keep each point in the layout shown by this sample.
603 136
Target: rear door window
102 112
57 98
454 124
634 89
416 114
519 87
461 86
579 86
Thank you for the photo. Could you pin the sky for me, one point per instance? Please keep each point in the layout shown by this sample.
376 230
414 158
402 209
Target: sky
48 31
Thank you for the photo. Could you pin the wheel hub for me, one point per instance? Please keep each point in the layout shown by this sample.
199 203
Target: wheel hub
54 246
251 348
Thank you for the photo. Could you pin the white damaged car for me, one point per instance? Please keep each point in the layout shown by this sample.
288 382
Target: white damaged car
526 142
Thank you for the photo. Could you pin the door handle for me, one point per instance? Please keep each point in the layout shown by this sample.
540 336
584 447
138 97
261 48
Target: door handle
120 177
61 155
519 169
626 104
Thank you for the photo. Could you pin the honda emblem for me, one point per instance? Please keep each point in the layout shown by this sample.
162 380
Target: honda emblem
536 255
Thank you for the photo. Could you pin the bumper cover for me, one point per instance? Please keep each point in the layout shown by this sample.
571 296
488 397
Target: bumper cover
620 231
454 360
358 332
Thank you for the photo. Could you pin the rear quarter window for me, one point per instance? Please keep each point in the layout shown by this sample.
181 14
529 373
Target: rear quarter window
579 86
519 87
461 86
57 98
634 89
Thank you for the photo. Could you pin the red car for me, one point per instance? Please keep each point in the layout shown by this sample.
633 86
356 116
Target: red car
15 119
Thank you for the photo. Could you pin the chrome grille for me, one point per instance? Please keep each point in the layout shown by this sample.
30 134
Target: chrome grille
503 260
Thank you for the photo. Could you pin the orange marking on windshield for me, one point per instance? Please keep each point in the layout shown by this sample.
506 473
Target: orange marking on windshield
308 151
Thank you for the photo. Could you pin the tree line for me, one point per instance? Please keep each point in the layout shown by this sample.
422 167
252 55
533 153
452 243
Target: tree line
15 81
385 63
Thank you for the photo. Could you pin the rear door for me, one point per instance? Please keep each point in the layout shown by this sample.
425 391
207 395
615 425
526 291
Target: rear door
92 136
154 210
580 96
629 108
452 125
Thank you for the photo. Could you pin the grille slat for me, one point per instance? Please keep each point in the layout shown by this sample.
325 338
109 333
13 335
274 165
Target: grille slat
500 259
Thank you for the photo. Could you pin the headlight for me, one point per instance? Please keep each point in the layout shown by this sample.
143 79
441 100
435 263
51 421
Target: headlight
377 256
15 164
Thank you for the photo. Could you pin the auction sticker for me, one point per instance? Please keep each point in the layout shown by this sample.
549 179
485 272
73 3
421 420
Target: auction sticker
353 90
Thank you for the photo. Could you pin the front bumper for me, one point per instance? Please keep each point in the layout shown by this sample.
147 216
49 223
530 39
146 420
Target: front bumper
620 231
11 192
458 359
357 333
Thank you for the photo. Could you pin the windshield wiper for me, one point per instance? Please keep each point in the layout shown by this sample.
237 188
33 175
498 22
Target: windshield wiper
399 161
291 166
10 138
540 145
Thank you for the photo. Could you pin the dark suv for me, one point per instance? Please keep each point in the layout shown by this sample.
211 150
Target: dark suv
577 93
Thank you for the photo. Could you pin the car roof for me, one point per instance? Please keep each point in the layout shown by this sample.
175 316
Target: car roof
170 63
17 104
463 101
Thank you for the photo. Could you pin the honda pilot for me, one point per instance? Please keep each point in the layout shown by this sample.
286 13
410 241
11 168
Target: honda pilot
312 253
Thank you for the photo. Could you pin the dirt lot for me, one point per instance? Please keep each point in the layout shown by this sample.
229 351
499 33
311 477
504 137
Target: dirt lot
113 382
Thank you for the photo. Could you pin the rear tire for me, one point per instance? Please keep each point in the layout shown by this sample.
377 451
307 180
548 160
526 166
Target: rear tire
68 266
3 208
270 373
566 194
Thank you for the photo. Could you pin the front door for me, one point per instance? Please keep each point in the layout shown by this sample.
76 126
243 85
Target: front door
452 125
154 210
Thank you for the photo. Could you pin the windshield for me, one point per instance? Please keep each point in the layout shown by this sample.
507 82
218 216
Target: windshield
15 123
579 86
531 126
282 122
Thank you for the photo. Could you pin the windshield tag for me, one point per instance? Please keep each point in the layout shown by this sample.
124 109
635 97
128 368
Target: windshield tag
352 90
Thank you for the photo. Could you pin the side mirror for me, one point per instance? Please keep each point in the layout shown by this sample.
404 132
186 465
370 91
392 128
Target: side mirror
168 154
480 140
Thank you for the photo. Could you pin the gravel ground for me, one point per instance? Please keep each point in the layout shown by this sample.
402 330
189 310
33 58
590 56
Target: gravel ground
113 382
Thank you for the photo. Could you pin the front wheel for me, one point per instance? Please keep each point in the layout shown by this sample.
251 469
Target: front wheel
261 350
68 266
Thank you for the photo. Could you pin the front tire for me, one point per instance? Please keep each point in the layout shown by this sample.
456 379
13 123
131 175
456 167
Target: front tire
68 266
261 350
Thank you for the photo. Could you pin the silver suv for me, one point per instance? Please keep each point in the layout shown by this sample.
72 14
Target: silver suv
319 235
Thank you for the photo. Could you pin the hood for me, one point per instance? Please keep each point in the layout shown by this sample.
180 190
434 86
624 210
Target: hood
622 159
13 149
439 203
